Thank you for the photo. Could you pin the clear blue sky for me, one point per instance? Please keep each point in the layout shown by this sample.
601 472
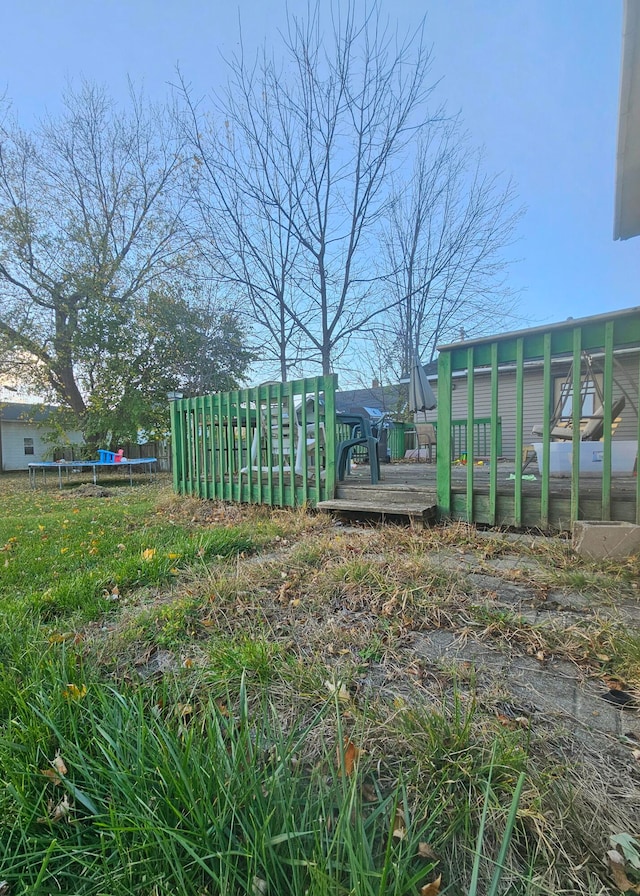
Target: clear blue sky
536 83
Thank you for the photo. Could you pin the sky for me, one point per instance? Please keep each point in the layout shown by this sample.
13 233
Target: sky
536 84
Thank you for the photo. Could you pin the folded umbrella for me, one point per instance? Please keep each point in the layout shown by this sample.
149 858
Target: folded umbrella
421 396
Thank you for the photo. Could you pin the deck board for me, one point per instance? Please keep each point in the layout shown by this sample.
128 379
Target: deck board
414 485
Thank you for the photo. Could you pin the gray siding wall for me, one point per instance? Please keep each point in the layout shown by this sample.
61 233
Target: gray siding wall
626 379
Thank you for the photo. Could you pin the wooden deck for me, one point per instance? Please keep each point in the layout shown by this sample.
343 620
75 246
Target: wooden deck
408 489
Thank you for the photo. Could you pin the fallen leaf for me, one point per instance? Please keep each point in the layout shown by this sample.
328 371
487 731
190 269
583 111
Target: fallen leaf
350 756
57 811
60 637
58 764
148 554
399 826
185 710
338 689
426 851
73 692
58 769
504 720
433 888
616 865
630 848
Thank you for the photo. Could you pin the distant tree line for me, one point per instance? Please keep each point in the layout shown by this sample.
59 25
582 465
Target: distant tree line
318 198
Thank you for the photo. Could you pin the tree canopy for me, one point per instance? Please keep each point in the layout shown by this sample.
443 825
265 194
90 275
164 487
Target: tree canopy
95 264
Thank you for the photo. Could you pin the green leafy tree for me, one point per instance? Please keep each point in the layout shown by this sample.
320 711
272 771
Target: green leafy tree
160 345
90 224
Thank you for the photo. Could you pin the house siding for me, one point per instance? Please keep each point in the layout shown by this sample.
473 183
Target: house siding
626 375
13 435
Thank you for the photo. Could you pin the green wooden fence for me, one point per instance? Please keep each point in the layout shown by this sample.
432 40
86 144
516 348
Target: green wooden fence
534 357
267 445
276 443
481 437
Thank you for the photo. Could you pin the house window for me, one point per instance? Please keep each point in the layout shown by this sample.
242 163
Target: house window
563 396
28 446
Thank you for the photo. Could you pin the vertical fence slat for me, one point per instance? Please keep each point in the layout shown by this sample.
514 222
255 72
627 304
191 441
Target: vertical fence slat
177 430
469 440
517 485
607 392
638 453
329 386
543 462
494 449
443 456
197 447
243 445
576 408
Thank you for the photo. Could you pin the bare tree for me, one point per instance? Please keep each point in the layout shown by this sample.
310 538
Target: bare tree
89 220
445 237
243 207
299 174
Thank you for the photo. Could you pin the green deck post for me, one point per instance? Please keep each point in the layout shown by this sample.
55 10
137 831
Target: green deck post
329 386
471 431
607 392
576 407
443 455
517 485
189 446
175 414
544 461
638 458
494 451
197 446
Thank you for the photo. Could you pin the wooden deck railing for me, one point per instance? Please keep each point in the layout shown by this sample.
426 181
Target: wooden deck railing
267 445
526 362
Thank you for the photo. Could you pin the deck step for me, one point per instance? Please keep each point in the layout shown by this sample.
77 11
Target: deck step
419 511
395 495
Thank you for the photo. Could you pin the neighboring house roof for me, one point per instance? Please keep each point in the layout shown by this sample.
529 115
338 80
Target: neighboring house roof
385 398
15 412
392 398
627 203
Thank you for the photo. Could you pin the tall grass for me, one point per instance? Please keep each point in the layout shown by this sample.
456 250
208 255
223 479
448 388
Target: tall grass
216 799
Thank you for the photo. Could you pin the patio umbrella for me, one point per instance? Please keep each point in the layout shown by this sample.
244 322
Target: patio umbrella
421 397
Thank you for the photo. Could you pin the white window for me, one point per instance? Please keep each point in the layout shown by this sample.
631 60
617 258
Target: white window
28 446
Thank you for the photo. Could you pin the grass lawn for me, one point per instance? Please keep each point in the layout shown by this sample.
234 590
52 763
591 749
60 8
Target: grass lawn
207 699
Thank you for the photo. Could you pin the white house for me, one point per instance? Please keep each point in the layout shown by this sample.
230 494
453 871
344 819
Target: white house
23 435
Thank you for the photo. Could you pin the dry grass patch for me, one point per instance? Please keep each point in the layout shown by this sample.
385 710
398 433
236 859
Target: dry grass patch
322 625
